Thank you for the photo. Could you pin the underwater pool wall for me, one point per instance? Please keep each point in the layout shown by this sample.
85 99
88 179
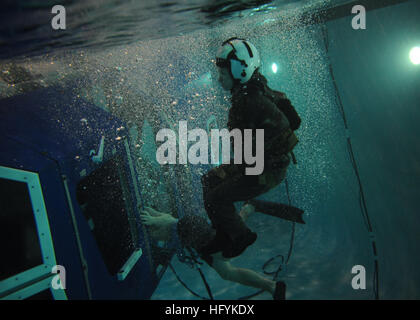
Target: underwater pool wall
378 86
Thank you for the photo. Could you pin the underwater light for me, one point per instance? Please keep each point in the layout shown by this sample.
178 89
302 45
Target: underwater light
274 67
415 55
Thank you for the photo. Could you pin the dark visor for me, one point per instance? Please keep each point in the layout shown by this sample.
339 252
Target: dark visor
222 63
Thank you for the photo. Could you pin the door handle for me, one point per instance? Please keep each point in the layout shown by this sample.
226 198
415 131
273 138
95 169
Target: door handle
97 157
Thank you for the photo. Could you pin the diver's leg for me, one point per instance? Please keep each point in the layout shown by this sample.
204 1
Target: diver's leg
219 203
243 276
219 200
220 211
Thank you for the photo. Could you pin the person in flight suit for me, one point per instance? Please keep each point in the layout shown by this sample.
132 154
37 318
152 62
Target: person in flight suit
254 106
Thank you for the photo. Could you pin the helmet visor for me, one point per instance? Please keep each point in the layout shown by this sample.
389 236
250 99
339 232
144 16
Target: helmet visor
222 63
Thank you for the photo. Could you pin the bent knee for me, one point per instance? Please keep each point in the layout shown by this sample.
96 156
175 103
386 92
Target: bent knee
226 275
226 272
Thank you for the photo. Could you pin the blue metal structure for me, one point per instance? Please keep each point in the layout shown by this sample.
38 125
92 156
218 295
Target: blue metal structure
86 202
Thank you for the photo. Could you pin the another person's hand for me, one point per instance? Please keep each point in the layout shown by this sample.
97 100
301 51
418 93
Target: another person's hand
151 211
154 218
246 210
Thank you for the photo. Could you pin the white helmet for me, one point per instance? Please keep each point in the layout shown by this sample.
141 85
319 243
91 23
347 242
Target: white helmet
240 57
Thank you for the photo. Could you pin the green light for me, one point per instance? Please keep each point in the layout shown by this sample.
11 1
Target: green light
415 55
274 67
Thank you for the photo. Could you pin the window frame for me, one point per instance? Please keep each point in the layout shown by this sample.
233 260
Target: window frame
36 279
